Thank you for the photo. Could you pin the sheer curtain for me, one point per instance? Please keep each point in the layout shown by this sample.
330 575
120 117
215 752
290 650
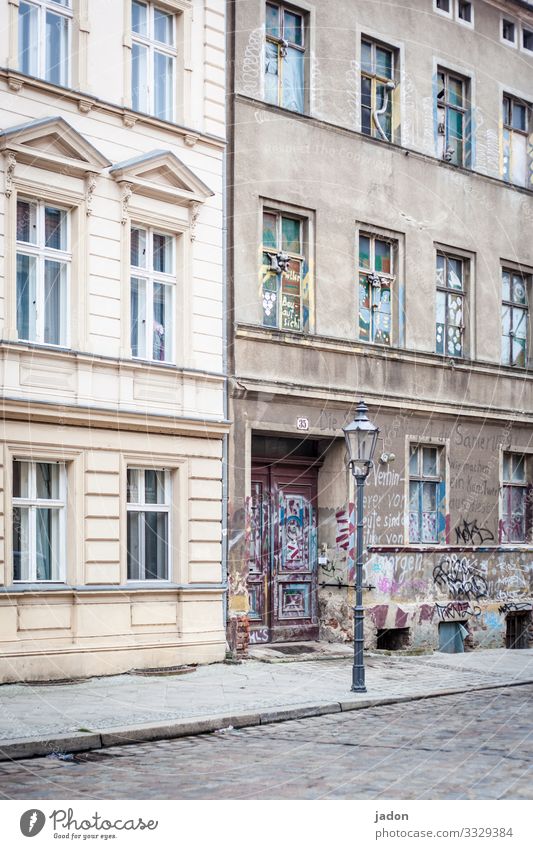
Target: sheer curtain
293 80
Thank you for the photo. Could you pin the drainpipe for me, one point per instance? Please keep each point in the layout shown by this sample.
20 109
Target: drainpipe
226 386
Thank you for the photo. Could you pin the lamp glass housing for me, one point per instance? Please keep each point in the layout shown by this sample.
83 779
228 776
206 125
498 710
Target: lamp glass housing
361 436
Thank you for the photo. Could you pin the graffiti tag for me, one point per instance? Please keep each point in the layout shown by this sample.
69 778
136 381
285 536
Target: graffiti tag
471 534
259 636
515 607
460 577
457 610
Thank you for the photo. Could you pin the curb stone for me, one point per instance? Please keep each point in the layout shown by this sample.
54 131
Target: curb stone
18 749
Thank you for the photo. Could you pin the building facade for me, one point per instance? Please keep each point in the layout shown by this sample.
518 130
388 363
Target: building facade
380 188
113 417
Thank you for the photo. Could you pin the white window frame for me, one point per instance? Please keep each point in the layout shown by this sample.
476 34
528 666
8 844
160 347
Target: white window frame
141 506
510 20
44 6
461 21
446 14
153 46
150 276
41 254
32 503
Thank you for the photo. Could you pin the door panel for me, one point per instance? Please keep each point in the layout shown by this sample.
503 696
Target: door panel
282 581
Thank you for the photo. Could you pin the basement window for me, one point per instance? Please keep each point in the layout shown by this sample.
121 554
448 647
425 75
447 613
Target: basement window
452 637
517 626
392 639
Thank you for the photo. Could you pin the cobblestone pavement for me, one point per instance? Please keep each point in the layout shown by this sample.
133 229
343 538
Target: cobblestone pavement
122 700
470 746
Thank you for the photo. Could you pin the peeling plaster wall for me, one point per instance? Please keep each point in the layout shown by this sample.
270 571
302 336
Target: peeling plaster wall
470 576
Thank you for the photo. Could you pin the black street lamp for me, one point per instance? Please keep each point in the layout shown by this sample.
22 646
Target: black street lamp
361 436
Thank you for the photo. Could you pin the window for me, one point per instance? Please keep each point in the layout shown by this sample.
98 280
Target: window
450 305
148 509
426 495
153 280
284 57
283 272
376 260
509 31
514 498
514 319
516 121
527 39
465 12
44 31
39 506
43 270
153 54
453 118
444 7
377 87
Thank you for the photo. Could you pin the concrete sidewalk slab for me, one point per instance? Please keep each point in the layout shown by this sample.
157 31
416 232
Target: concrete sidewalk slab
125 709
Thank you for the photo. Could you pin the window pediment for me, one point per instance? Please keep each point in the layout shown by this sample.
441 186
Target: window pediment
51 143
160 174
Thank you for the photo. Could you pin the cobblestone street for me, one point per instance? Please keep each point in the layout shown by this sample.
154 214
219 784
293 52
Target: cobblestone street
470 746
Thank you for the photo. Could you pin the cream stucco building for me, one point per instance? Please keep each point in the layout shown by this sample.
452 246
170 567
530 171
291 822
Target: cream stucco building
113 419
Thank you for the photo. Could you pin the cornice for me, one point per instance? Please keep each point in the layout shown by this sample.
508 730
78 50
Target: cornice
87 102
289 392
72 356
60 414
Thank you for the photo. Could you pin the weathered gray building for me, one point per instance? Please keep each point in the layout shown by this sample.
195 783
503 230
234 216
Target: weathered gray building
380 213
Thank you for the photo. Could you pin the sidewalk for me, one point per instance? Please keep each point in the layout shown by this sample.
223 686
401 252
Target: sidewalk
37 720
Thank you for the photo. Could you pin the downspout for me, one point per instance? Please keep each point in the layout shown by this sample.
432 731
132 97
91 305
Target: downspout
225 354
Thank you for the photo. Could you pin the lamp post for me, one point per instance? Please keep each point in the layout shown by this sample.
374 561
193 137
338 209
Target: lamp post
361 436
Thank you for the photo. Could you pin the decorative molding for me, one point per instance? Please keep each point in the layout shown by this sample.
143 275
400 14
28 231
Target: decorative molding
11 163
129 120
14 83
53 144
194 212
85 105
90 185
190 139
162 175
127 192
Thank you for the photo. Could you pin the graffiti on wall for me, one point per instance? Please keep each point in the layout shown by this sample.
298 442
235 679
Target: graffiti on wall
456 610
515 607
469 533
511 580
261 635
342 539
384 516
460 577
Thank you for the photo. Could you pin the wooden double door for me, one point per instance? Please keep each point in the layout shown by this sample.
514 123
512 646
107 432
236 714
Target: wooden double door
282 565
